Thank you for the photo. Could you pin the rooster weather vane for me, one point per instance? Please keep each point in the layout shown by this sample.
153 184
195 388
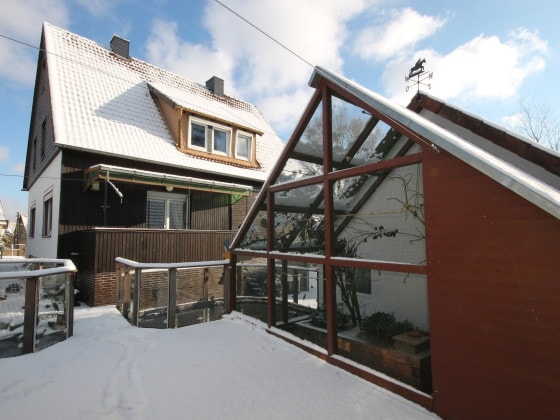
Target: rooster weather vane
418 76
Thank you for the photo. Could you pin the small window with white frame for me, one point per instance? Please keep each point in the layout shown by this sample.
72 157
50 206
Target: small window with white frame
244 145
167 210
209 137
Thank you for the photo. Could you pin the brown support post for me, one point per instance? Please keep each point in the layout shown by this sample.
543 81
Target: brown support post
126 293
70 302
30 314
284 281
136 297
271 270
118 297
230 284
330 283
270 263
172 299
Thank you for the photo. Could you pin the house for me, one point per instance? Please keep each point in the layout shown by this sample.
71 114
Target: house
3 220
432 239
126 159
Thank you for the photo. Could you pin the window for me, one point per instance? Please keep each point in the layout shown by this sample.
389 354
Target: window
220 143
47 214
43 137
198 135
362 280
166 211
32 222
209 137
244 145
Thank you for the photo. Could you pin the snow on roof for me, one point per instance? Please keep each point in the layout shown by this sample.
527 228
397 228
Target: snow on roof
529 182
102 103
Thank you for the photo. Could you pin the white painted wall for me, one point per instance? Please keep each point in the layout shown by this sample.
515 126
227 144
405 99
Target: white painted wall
39 246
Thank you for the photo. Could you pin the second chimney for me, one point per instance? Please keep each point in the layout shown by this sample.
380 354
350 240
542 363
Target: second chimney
215 85
120 46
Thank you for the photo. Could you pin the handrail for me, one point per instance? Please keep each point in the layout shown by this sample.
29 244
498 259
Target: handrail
67 267
191 264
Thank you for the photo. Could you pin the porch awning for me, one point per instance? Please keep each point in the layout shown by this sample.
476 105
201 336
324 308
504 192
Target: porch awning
118 173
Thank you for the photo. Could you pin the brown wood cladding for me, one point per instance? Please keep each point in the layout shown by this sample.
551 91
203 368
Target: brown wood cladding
494 296
80 210
100 247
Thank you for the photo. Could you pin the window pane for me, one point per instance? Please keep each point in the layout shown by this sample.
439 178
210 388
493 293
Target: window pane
198 135
220 141
243 146
176 215
156 214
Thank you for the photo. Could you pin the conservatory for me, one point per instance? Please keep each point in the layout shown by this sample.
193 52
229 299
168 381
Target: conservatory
415 247
334 248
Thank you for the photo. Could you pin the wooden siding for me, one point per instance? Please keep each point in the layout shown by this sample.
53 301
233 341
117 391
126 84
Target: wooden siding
494 296
82 210
100 247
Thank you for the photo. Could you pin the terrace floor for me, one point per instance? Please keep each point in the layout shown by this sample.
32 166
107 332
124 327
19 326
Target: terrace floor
226 369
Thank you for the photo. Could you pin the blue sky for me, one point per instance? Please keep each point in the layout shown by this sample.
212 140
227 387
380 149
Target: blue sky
486 56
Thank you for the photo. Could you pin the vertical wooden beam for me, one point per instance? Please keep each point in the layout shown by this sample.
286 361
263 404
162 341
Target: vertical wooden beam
230 284
270 265
136 296
172 298
284 282
30 314
330 283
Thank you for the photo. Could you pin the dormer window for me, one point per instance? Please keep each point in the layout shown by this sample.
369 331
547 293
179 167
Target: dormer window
209 137
244 145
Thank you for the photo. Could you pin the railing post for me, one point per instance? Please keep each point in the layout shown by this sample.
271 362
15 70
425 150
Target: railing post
69 280
172 298
136 297
30 314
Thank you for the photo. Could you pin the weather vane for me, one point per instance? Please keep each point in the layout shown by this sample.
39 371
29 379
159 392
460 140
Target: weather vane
418 76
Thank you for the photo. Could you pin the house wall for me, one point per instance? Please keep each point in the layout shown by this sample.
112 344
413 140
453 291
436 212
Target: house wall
49 183
493 296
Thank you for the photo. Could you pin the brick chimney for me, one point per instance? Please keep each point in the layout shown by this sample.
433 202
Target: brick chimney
120 46
215 85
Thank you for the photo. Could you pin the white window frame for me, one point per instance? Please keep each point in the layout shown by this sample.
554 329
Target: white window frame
251 139
209 129
48 203
168 197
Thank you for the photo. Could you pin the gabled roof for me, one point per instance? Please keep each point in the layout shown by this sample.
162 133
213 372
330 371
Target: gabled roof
102 103
527 169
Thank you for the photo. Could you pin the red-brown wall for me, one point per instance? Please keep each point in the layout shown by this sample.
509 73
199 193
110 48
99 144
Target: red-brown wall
494 296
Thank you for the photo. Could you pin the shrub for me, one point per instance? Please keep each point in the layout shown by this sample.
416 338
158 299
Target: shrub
384 326
319 317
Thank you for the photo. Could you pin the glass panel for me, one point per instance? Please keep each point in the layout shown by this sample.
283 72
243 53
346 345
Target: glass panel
306 160
156 214
12 301
200 295
153 298
387 329
252 288
198 135
298 220
52 315
256 235
296 291
176 214
243 146
221 141
383 217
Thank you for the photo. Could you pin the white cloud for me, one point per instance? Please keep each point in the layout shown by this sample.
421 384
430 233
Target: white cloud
17 61
4 154
254 67
485 67
97 7
400 31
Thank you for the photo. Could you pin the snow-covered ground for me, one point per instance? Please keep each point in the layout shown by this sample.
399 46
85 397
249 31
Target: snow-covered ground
226 369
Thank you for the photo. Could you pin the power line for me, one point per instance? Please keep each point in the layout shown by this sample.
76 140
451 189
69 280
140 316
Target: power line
264 33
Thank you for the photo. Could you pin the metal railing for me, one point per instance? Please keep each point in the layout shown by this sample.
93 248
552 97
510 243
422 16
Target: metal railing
171 295
36 304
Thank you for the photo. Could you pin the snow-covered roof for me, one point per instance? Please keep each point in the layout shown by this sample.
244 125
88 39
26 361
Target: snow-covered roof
101 103
527 179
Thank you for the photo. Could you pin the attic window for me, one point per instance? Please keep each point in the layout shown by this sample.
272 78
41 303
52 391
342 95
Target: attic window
220 140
